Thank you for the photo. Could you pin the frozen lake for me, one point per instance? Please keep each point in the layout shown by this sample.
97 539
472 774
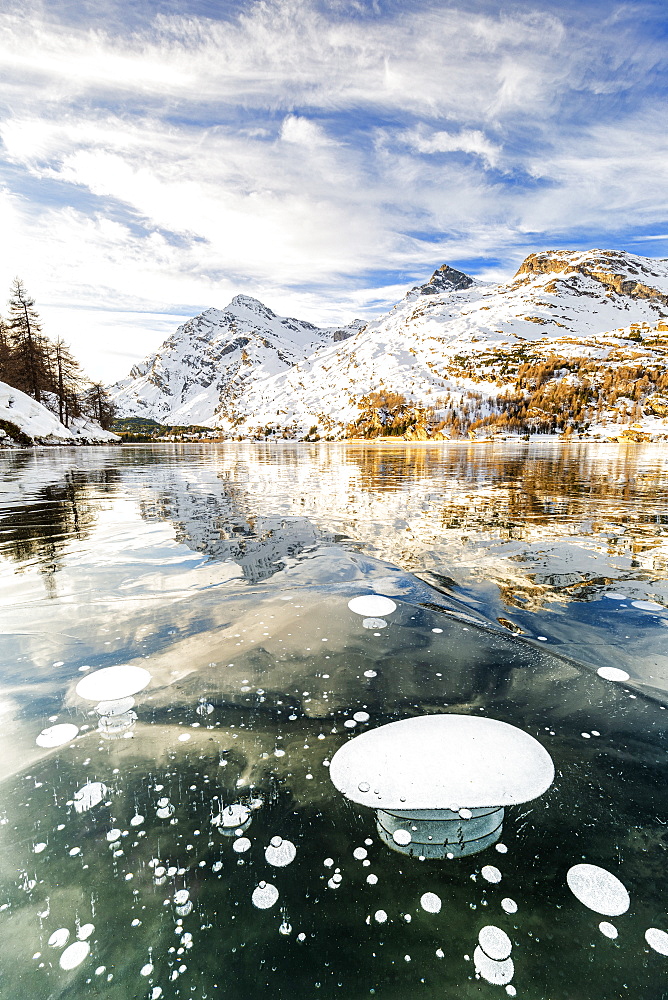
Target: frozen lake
171 830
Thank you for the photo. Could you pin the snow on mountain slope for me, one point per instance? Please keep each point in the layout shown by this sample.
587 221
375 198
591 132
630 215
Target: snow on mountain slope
212 359
444 338
42 426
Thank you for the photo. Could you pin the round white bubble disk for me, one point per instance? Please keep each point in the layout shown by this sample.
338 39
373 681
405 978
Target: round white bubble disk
181 897
598 889
112 683
59 938
612 674
608 930
85 931
74 955
615 597
89 795
497 973
360 853
280 853
372 623
55 736
657 940
234 816
241 845
508 905
361 716
430 902
372 606
401 837
264 895
495 942
647 606
380 916
431 761
491 874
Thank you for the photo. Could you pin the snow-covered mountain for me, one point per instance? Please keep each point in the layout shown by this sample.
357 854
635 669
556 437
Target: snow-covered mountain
208 364
245 370
24 421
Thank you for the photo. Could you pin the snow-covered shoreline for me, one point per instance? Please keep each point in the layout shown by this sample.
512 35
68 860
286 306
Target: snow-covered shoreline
26 423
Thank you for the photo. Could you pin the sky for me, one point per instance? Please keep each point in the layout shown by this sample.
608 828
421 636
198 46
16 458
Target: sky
158 157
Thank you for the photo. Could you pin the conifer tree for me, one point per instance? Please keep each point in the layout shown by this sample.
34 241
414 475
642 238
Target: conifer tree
30 363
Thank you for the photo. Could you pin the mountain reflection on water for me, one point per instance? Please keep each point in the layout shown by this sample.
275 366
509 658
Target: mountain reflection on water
226 572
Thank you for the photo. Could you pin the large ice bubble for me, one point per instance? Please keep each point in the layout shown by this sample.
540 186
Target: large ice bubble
372 606
111 683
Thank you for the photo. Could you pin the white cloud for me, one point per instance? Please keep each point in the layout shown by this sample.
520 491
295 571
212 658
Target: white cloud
465 141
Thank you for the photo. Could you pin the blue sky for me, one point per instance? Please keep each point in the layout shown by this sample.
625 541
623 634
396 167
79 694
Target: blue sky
157 158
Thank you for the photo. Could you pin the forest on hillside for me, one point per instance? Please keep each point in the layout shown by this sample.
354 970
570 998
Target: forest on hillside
44 368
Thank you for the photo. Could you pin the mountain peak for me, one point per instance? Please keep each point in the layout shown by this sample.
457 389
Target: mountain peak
252 305
446 279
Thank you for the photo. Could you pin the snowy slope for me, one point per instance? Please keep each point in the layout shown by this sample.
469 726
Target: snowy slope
447 336
211 360
42 426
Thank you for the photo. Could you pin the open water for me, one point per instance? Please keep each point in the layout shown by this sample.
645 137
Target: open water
133 853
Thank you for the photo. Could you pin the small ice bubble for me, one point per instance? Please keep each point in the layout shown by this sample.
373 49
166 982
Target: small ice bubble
264 895
156 993
136 820
440 953
181 897
370 673
495 943
280 854
279 753
301 936
328 862
56 736
608 929
350 723
657 940
612 674
372 879
241 845
465 814
361 716
59 938
401 837
380 916
38 848
85 931
285 928
113 835
75 851
438 630
146 970
184 737
501 848
430 902
598 889
491 874
360 853
364 786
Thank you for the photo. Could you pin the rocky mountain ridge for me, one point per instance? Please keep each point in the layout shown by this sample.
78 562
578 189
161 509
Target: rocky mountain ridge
561 347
